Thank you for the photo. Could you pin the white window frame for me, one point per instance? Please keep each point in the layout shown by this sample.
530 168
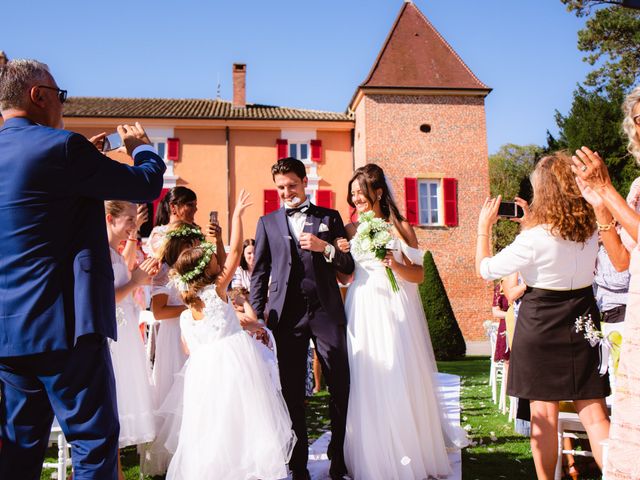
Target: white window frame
307 161
439 202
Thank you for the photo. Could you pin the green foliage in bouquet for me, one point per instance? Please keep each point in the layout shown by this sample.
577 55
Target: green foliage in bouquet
446 337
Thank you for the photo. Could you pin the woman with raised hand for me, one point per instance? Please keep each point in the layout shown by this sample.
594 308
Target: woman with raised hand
622 247
550 360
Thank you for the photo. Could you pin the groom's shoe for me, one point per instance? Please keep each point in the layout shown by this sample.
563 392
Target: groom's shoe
339 476
303 475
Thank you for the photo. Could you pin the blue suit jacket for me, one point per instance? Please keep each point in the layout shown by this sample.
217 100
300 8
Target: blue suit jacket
56 280
272 260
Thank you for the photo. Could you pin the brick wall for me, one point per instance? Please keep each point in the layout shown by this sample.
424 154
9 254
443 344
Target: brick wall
389 127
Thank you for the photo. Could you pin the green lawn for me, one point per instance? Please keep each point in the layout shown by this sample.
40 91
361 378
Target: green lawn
499 452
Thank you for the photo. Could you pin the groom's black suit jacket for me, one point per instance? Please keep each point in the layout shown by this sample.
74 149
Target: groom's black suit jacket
297 274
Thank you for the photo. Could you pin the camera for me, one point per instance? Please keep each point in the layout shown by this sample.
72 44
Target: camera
111 142
510 210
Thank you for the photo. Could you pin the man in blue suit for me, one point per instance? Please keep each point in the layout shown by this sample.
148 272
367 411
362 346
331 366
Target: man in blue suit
295 266
56 283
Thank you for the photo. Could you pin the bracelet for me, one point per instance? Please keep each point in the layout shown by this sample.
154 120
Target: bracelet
132 240
483 234
606 227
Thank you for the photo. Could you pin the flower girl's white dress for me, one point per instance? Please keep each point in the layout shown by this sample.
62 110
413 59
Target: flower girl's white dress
235 423
396 429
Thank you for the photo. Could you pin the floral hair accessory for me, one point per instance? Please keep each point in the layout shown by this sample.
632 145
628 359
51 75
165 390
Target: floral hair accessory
208 250
186 232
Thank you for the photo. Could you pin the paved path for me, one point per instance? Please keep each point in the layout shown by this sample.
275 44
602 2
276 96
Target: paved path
450 387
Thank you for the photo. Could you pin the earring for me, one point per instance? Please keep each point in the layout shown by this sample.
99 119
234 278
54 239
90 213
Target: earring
379 197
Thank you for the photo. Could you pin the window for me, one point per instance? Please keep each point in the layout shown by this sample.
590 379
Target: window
431 201
429 191
300 151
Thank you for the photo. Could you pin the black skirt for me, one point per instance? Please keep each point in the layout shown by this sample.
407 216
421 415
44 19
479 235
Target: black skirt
549 359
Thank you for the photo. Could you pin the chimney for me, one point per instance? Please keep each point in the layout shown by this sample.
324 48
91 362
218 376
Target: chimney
239 85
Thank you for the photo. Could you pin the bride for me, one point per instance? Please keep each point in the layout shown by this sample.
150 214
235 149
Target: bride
395 423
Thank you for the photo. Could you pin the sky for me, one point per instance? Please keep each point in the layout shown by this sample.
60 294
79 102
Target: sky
302 54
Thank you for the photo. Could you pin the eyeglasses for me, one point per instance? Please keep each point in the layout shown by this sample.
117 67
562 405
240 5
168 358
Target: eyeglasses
636 119
62 94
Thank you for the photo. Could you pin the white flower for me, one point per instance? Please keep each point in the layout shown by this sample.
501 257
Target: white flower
381 238
364 228
365 244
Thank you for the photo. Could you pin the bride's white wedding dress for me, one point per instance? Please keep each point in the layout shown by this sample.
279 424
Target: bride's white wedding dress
235 423
395 424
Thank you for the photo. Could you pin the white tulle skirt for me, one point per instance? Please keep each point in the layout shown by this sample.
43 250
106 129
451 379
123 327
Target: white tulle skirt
169 359
395 423
235 424
133 389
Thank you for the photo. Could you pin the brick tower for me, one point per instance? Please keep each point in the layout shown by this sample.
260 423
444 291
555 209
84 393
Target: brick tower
420 116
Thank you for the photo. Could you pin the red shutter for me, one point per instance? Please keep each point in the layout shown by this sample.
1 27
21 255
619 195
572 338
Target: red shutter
324 198
316 150
271 201
450 194
411 199
283 148
157 201
173 149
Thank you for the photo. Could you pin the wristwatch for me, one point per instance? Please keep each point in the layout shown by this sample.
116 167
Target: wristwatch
327 250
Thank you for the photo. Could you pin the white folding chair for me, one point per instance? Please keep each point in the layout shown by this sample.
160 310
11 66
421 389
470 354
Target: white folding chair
496 372
56 436
569 426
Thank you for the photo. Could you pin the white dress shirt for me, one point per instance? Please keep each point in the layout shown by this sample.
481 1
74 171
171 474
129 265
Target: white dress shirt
296 226
545 260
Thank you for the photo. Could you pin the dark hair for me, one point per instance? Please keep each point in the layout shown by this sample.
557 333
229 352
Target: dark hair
245 244
370 178
175 196
174 245
186 262
288 165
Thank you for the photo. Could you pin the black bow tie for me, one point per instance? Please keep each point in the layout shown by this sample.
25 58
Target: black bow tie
301 209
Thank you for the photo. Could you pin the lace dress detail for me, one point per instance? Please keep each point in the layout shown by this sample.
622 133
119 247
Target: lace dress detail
235 423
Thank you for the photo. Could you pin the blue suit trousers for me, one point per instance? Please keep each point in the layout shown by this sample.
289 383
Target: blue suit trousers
76 385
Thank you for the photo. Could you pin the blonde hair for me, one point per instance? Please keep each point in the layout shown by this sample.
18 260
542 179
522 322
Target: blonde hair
629 126
187 261
116 208
557 201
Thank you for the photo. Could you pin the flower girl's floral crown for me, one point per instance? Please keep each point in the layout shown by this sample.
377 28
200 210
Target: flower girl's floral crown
182 281
185 231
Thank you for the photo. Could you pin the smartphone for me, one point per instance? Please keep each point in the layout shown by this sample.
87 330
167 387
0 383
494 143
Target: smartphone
213 217
111 142
510 210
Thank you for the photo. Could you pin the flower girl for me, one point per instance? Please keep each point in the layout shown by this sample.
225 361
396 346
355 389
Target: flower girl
235 423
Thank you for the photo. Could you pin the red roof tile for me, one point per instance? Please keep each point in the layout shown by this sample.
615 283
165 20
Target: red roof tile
415 55
188 109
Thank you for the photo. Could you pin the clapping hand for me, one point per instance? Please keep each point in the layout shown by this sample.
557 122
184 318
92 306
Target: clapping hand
589 167
147 269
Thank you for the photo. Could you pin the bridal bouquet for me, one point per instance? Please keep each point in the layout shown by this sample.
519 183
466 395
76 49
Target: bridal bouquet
373 236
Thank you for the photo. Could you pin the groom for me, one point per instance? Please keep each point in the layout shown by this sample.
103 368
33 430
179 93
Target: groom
295 266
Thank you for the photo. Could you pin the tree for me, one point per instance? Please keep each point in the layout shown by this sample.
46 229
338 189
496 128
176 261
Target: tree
595 121
509 170
446 337
612 37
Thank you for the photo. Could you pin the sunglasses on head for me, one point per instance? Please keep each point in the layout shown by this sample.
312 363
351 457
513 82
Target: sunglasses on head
62 94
